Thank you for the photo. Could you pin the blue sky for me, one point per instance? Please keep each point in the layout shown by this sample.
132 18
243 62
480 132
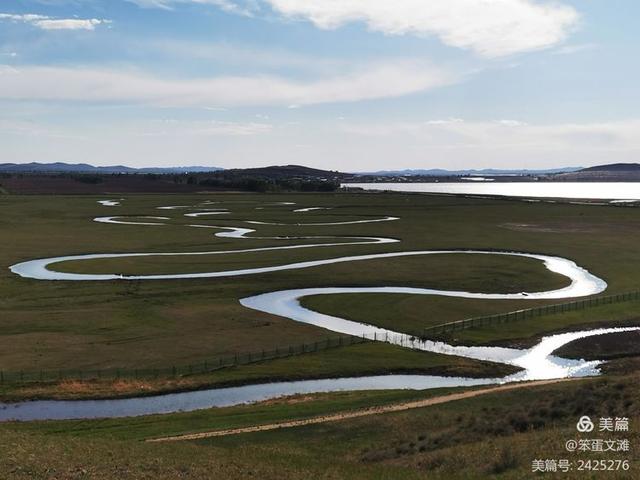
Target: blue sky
350 85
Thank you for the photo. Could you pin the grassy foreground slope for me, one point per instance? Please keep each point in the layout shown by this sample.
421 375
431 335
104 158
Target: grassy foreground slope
492 436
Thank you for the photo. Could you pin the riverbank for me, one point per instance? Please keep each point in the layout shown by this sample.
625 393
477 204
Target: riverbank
352 361
493 434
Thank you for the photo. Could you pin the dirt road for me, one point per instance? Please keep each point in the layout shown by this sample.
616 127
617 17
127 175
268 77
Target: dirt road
398 407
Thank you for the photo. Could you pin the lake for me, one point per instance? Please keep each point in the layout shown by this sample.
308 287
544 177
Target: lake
575 190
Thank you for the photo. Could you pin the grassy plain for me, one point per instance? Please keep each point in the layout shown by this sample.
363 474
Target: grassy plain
50 325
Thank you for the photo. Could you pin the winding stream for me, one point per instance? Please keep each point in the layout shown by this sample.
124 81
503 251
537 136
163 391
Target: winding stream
536 363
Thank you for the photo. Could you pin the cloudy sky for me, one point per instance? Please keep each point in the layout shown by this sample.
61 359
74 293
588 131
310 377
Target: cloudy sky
342 84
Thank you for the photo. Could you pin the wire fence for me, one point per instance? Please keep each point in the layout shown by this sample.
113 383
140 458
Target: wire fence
444 328
207 366
409 340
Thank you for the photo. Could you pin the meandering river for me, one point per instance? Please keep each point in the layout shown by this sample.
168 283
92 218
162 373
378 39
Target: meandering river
536 363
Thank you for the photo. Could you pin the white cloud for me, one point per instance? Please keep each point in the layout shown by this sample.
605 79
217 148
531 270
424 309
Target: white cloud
444 121
213 128
23 128
511 123
232 129
488 143
375 81
164 4
69 24
505 134
226 5
47 23
491 28
571 49
248 57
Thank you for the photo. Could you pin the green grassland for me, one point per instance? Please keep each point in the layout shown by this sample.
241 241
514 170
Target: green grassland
132 324
51 325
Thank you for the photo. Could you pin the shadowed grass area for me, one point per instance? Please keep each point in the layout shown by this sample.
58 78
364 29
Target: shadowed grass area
525 333
412 313
604 347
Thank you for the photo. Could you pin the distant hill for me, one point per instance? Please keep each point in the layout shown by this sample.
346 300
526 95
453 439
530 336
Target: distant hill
288 171
61 178
614 172
60 167
614 167
439 172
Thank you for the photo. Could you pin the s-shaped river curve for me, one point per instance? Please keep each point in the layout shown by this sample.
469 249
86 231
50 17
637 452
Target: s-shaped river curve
537 362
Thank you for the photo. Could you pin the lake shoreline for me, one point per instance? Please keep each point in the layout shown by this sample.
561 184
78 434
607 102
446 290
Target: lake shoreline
564 192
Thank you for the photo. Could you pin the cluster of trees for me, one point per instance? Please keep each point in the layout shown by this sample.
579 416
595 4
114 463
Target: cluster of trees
263 184
212 180
90 179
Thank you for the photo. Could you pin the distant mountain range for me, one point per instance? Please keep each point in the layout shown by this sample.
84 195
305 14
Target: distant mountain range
617 170
60 167
439 172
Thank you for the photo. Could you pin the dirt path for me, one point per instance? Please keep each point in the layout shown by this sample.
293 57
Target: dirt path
398 407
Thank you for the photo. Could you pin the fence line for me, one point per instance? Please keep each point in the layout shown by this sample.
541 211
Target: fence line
527 313
404 339
206 366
